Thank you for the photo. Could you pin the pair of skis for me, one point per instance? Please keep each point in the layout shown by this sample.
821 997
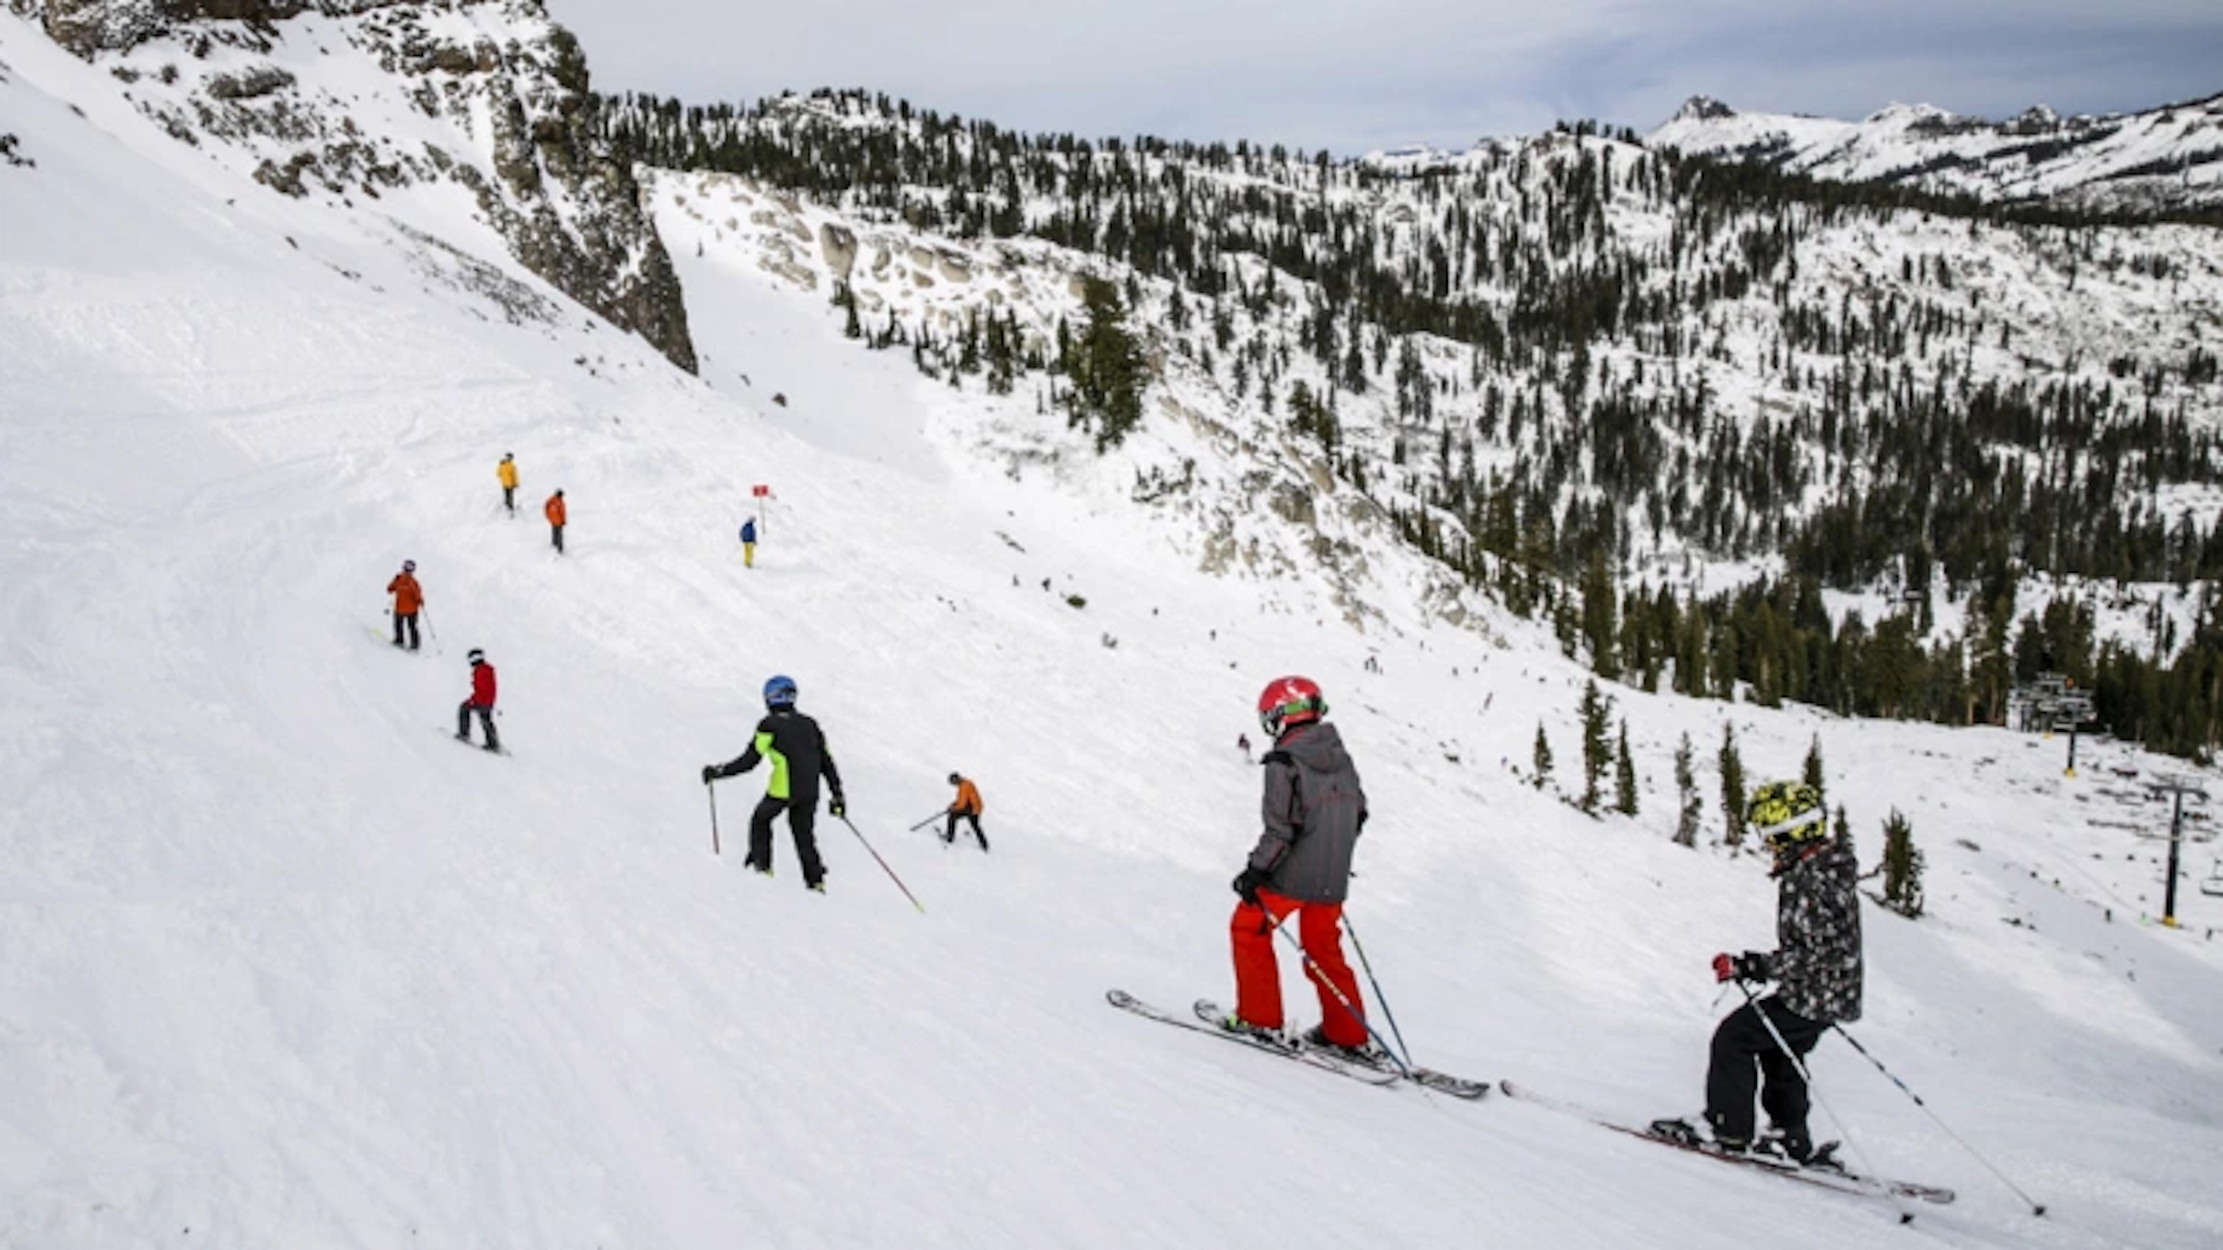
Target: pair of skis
1208 1018
1368 1069
1832 1178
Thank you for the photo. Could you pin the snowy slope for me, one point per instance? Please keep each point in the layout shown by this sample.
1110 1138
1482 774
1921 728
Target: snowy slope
283 968
2164 158
1428 425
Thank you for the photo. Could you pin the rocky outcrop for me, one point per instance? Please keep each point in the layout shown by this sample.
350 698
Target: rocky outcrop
516 86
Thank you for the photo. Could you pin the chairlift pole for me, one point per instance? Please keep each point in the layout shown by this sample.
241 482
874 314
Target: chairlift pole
2176 840
2178 787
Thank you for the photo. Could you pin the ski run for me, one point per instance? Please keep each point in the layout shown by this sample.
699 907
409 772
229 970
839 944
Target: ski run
278 969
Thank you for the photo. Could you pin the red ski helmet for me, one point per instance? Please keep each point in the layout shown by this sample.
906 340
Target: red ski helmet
1288 701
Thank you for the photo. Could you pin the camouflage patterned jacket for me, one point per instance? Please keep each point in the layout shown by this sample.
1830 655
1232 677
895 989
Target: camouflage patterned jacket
1817 930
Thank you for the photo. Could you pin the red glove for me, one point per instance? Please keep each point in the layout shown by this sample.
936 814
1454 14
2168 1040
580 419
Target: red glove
1725 967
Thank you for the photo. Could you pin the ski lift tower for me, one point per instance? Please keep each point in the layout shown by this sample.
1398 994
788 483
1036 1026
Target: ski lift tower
2038 703
2177 788
2072 709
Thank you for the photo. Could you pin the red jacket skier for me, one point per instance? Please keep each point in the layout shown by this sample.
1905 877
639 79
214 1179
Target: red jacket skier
481 702
1313 811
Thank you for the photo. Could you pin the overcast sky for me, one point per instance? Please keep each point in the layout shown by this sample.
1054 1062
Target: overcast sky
1353 76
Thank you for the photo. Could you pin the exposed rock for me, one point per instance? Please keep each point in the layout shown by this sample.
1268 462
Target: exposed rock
1292 503
838 245
247 85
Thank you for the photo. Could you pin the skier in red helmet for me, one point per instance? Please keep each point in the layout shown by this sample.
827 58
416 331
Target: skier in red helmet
1313 811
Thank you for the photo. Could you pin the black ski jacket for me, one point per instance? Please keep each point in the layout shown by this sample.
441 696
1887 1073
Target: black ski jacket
797 749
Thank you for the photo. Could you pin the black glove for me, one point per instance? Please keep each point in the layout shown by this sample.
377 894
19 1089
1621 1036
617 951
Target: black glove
709 773
1753 966
1247 881
838 808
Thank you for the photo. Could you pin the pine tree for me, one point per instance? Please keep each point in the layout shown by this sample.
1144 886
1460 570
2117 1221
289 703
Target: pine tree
1732 785
1624 775
1542 761
1686 789
1106 365
1597 747
1599 628
1813 772
1902 867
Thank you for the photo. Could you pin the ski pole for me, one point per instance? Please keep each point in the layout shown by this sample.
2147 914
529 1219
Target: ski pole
884 866
1379 997
1906 1216
1403 1069
427 614
928 821
713 791
2036 1207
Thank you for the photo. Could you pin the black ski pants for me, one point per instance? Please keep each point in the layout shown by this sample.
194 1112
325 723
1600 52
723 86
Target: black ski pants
409 619
486 720
1742 1045
950 834
509 499
802 817
556 536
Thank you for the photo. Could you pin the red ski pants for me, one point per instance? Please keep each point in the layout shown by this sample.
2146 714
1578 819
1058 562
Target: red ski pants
1258 975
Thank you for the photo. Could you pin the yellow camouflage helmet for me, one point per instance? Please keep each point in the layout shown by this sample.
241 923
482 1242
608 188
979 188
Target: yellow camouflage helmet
1786 813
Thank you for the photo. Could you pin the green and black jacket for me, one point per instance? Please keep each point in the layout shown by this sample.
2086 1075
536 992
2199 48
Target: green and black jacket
797 749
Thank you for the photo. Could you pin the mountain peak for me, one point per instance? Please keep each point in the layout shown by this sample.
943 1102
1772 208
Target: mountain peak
1702 108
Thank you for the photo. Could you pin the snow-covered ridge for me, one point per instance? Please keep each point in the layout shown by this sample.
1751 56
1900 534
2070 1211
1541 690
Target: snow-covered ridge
1238 491
357 102
1947 303
2168 158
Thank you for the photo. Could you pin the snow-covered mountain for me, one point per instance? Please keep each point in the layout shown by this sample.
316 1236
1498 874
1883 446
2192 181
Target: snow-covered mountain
280 967
2162 159
1543 354
387 105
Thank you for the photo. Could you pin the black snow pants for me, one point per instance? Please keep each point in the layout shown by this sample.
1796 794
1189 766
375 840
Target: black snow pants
556 536
950 834
1743 1043
801 818
409 619
486 720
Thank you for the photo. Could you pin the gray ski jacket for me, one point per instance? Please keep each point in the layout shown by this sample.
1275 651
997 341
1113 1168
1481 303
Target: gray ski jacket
1313 811
1817 965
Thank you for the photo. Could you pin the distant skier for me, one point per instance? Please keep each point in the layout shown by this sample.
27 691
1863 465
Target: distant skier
1817 971
1242 743
556 513
967 806
748 543
507 472
481 702
409 599
797 749
1313 811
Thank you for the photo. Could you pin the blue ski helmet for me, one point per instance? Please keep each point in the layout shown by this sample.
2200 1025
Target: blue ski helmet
779 692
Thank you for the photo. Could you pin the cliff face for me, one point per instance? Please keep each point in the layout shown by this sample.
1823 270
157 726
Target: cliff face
349 99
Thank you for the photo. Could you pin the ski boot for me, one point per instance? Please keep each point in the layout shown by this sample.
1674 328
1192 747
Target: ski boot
1368 1055
1257 1032
1678 1130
